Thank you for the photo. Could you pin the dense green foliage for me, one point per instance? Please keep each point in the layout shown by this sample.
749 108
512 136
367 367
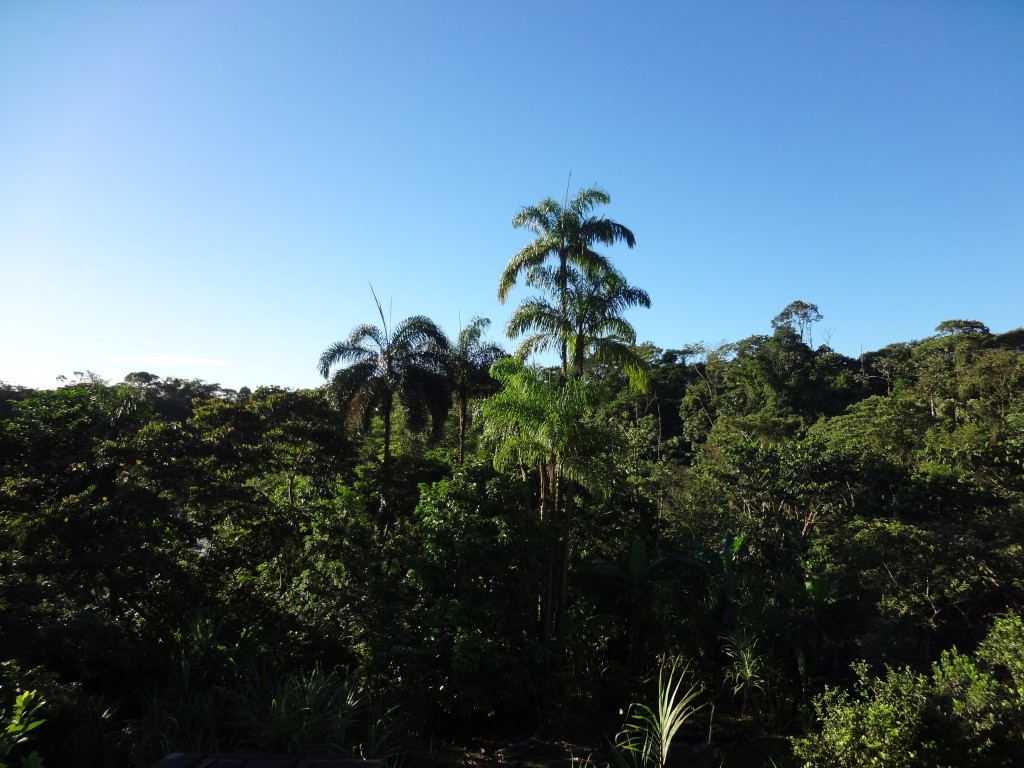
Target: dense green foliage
832 549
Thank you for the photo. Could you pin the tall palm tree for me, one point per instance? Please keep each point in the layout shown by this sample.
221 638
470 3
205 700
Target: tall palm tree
537 425
469 367
408 362
589 322
568 234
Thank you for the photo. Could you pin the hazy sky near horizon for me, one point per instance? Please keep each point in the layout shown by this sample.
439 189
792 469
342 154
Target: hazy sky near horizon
208 190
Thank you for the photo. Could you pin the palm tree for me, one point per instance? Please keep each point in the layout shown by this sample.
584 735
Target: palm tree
589 323
408 361
539 425
469 368
568 234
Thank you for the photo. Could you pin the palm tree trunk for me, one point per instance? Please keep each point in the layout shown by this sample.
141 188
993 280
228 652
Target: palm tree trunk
463 409
388 404
527 497
555 596
563 560
546 596
563 301
542 493
577 363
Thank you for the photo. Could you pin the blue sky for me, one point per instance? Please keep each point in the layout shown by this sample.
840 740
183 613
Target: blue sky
208 190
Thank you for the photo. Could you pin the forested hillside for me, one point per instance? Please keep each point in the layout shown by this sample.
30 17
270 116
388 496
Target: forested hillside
445 544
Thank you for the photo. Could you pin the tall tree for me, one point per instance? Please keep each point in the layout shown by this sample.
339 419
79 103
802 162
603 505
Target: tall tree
408 362
469 366
798 316
589 322
536 424
567 234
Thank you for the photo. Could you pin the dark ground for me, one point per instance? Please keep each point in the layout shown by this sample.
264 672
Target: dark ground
734 744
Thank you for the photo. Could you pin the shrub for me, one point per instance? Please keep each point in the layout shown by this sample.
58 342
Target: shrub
968 712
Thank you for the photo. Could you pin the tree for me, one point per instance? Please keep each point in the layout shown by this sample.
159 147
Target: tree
469 366
538 425
798 316
408 361
941 361
568 234
962 328
993 385
585 320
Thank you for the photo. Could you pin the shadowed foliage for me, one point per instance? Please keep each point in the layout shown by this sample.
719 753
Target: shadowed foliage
408 362
469 366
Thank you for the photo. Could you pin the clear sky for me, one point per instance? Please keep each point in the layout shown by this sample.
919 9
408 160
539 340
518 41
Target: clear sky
208 189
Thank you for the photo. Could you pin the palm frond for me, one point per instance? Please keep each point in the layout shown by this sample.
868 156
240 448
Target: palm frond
535 344
341 352
426 395
607 232
540 218
588 199
417 333
470 335
624 357
409 361
537 314
529 256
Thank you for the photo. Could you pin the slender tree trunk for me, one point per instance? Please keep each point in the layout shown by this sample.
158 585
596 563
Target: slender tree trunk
527 496
542 495
388 404
563 300
577 363
566 551
463 409
546 596
554 589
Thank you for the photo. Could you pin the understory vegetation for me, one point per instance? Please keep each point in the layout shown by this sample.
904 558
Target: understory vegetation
761 553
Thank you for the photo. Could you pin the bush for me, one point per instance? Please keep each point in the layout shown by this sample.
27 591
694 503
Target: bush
968 712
